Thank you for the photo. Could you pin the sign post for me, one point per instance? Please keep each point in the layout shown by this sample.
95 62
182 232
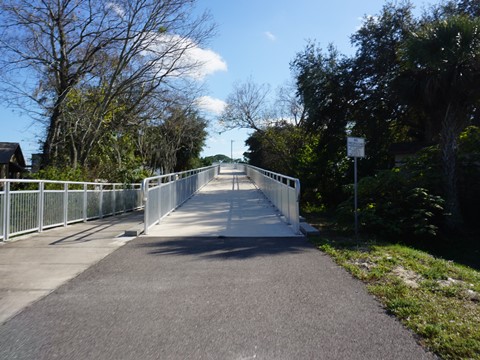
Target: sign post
355 149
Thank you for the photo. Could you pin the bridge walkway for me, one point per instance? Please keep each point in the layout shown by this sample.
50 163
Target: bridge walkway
229 206
35 264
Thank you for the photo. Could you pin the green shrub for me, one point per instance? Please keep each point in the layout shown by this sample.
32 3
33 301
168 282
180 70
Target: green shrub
391 204
469 173
61 174
56 173
407 201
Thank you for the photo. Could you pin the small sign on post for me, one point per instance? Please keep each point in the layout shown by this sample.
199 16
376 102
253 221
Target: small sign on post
355 149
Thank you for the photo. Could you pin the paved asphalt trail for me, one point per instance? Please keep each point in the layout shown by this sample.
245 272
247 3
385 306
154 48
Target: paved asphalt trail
209 298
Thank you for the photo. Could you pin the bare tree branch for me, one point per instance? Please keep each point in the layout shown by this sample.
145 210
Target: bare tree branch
115 46
247 107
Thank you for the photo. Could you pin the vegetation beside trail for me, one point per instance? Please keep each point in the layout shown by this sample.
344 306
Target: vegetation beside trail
437 299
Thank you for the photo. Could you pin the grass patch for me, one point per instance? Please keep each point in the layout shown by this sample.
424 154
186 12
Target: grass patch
438 299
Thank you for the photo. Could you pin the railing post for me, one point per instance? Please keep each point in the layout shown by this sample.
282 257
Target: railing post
288 200
65 204
4 186
41 204
6 212
159 200
124 194
85 202
173 180
101 202
297 210
145 206
114 199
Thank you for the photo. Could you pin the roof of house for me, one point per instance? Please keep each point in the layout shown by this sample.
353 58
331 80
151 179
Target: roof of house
7 150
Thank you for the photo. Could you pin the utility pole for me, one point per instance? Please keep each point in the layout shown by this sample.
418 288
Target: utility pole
231 150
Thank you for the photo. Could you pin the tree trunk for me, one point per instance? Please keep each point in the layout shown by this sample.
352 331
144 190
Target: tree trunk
73 152
448 143
48 145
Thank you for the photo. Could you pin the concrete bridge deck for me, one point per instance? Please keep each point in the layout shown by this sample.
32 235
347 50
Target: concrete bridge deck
229 205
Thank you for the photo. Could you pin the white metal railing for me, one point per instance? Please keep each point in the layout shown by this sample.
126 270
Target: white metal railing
163 194
283 191
35 205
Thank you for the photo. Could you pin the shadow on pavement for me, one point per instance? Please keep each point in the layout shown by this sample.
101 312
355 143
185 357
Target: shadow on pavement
225 248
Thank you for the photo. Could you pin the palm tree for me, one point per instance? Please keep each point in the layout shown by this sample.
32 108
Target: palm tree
441 73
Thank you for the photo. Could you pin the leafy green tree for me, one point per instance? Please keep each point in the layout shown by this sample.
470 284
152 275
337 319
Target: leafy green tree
219 158
446 9
116 46
276 148
173 140
469 7
325 89
376 112
85 129
441 72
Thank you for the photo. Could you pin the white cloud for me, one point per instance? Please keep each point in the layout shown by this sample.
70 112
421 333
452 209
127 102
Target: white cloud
188 59
270 36
211 105
210 62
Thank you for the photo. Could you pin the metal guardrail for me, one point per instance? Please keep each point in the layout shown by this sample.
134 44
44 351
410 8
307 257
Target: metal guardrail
283 191
163 194
34 205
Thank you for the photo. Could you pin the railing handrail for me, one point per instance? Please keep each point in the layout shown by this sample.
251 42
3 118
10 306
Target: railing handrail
288 205
175 174
192 171
273 173
153 216
66 182
28 210
182 185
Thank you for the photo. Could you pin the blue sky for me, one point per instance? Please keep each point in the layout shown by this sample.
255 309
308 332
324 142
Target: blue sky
259 39
256 39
